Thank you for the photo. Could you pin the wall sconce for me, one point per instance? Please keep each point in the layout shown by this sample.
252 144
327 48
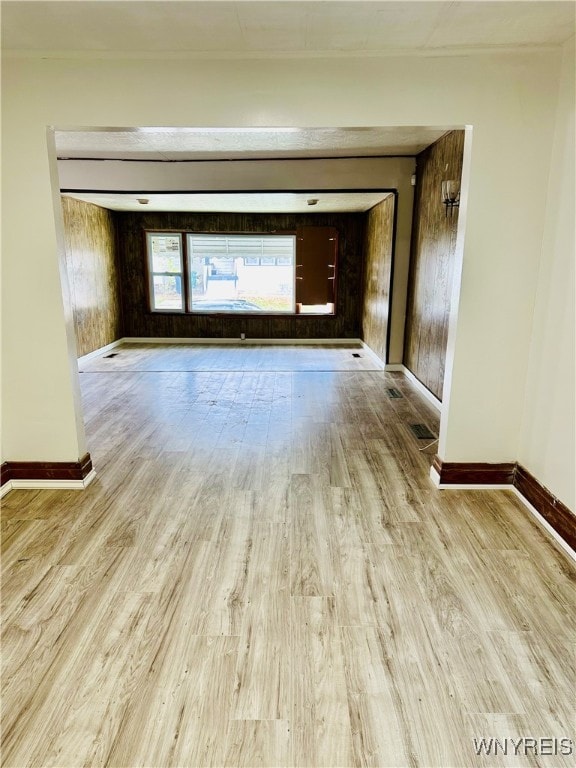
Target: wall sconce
451 195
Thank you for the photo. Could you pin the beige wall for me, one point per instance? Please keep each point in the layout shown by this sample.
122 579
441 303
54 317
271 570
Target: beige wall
510 99
547 440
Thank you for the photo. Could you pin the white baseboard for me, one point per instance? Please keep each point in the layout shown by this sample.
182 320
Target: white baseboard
28 485
400 368
237 340
379 362
98 352
424 391
545 524
435 478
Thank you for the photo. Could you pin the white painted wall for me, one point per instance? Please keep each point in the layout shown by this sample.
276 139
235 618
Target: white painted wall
354 173
510 99
547 442
345 173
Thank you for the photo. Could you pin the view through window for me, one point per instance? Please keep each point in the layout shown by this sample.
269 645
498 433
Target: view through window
165 264
241 273
192 272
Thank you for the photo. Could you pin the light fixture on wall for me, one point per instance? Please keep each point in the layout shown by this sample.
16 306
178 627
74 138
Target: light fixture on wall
451 195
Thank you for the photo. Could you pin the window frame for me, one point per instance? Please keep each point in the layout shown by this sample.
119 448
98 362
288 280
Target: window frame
185 275
151 274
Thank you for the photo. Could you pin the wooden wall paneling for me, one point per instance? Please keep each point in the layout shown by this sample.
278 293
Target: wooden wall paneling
92 274
377 275
253 327
432 263
139 321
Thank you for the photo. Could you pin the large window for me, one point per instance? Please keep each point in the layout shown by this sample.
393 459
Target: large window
241 273
284 273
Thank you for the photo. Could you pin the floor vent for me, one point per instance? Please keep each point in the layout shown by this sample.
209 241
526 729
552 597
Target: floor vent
393 392
356 354
114 354
422 432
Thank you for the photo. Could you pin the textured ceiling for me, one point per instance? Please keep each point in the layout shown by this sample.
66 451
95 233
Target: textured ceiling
275 28
235 143
284 202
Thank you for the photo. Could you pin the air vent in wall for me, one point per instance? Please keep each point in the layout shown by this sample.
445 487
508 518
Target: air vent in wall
355 354
114 354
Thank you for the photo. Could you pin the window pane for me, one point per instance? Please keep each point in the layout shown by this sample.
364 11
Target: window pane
167 292
242 273
165 252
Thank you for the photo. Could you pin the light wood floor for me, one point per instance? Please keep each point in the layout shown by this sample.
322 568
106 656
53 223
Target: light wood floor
229 358
263 575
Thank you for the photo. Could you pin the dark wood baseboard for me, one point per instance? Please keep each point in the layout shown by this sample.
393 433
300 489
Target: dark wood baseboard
46 470
4 473
555 512
474 473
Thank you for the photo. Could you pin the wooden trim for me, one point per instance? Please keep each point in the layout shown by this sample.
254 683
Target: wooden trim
4 473
556 514
452 473
46 470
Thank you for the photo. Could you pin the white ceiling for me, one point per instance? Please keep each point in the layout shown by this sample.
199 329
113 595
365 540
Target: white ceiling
246 143
243 202
278 28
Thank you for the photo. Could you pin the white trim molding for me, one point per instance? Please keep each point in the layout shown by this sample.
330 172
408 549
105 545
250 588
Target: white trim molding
424 391
435 478
238 340
69 485
544 523
98 352
379 362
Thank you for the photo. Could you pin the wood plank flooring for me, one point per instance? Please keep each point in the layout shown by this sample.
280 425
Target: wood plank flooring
263 575
246 356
